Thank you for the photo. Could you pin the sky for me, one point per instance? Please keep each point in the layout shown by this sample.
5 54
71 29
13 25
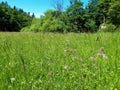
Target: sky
38 7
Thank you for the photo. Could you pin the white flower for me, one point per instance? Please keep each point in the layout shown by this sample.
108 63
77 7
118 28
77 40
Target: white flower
65 50
65 67
12 79
104 56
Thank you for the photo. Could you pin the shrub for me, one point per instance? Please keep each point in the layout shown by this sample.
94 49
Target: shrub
110 27
34 27
107 27
91 26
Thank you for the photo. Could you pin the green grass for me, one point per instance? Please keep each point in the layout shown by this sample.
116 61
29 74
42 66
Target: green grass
47 61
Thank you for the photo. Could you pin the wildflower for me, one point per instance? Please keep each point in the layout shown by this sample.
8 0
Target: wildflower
49 73
70 50
76 58
65 67
83 65
104 56
12 79
65 50
101 54
81 60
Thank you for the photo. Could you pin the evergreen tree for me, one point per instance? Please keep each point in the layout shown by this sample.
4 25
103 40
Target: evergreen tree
13 19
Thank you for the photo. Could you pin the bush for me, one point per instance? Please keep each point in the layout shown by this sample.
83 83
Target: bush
108 27
34 27
91 26
118 29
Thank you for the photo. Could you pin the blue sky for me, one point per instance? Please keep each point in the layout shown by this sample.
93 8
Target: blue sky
38 7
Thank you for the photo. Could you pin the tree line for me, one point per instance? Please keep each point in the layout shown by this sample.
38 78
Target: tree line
75 18
13 19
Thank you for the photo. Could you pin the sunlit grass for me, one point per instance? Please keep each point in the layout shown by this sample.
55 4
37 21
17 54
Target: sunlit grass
36 61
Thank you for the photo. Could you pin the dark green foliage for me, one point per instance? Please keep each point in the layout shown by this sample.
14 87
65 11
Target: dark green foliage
90 16
109 11
75 18
75 14
114 13
90 25
13 19
103 7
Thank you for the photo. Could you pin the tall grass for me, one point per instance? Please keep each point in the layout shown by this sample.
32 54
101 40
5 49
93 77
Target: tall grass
41 61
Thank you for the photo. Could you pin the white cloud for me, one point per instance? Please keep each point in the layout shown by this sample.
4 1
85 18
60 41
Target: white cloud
37 15
31 13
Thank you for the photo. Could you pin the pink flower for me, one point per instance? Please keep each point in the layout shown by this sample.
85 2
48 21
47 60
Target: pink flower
81 60
50 73
104 56
83 65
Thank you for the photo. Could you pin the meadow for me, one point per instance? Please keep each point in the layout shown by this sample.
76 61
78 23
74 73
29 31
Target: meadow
54 61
